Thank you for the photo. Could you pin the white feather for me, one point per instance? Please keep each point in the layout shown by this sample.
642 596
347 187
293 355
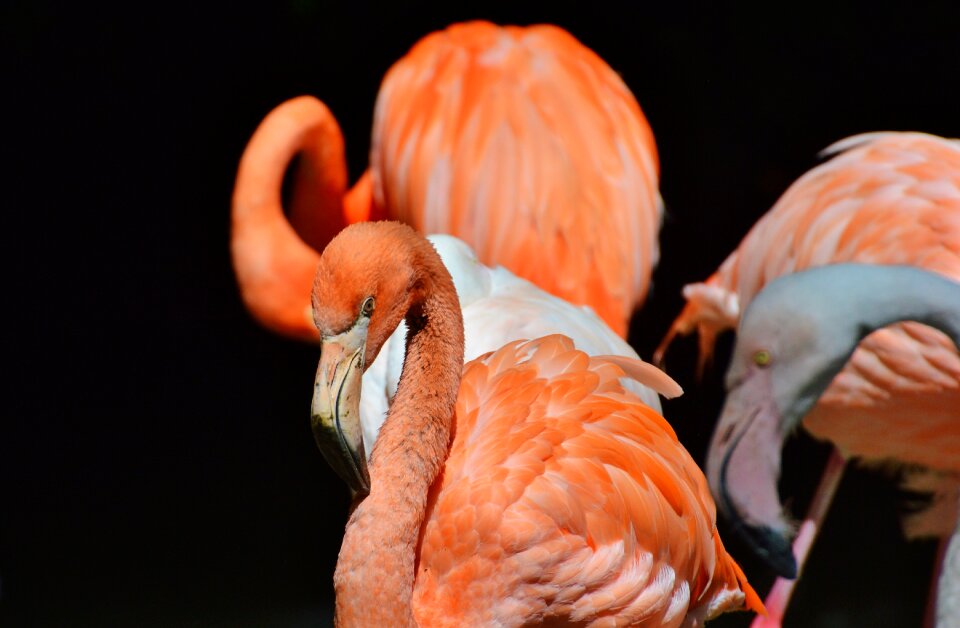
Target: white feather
498 307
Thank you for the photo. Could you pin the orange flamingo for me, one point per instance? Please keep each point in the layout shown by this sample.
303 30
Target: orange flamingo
527 487
519 140
887 198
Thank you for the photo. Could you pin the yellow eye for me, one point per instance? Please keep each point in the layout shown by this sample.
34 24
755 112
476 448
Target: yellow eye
761 357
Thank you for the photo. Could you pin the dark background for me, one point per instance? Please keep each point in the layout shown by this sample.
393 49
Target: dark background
156 463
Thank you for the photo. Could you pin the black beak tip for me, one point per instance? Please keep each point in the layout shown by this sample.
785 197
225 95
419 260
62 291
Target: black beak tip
359 490
360 482
348 463
350 473
773 548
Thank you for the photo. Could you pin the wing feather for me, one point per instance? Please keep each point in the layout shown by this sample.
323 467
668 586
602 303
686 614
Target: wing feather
884 198
598 511
524 143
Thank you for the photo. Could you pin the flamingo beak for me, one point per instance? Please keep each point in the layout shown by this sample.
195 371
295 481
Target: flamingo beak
743 467
335 411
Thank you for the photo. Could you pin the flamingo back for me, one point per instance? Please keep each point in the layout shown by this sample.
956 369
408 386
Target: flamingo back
498 307
565 498
527 145
886 198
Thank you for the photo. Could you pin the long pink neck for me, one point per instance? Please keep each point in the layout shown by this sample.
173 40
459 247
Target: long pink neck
375 572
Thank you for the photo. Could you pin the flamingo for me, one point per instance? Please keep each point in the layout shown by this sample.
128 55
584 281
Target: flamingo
884 198
519 140
795 336
528 486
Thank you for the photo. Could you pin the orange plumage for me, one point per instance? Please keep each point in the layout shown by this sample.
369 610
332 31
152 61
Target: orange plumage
533 487
520 141
564 497
528 146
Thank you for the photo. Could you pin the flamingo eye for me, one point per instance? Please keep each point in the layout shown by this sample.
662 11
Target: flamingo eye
367 308
762 357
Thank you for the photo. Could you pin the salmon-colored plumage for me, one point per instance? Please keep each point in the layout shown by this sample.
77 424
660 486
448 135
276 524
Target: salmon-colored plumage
887 198
519 140
564 497
543 491
891 198
528 146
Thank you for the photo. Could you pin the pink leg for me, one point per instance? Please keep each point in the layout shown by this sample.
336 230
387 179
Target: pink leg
930 615
943 608
779 596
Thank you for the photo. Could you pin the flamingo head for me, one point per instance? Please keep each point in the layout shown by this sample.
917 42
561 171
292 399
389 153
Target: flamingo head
791 343
365 284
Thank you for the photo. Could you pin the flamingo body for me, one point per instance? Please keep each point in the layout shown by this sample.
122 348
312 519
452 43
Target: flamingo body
519 140
566 497
525 144
890 198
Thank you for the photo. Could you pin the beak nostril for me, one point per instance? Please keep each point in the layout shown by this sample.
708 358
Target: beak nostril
725 436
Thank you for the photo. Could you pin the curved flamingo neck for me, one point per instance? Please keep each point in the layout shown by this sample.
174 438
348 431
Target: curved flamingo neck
375 573
301 127
276 258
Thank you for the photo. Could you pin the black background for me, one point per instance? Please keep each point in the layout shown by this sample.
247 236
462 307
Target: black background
157 467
